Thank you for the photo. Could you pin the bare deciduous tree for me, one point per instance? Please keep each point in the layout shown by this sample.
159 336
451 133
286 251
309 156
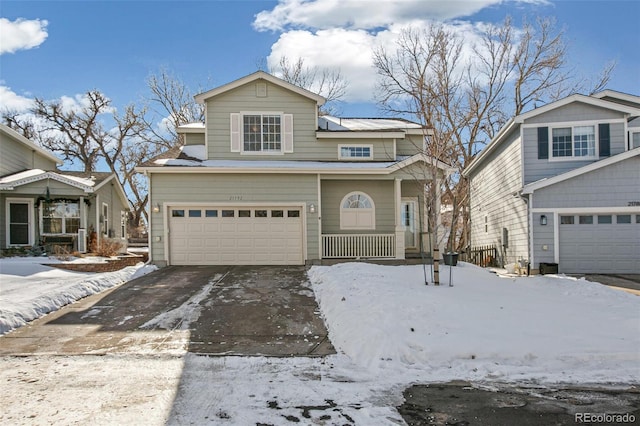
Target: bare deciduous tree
324 81
466 100
173 104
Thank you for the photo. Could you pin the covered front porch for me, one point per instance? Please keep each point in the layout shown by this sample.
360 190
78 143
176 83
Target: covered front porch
378 218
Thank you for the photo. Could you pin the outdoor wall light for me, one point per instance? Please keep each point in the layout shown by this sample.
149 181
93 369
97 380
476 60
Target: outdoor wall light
156 208
312 208
543 220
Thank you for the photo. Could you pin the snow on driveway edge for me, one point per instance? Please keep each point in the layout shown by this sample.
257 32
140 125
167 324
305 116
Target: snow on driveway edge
20 314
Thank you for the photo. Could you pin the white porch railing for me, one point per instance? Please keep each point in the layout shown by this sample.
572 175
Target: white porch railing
358 246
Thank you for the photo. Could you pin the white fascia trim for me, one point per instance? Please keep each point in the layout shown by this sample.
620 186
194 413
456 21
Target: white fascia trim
119 189
578 98
303 170
495 142
574 123
48 175
181 130
354 134
617 95
587 210
530 188
15 135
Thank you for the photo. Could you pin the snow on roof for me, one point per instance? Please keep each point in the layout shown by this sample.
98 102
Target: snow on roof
331 123
199 152
34 175
276 164
191 128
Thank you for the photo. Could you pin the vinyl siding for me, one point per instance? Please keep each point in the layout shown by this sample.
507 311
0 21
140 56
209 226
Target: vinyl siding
612 186
213 188
576 111
381 192
194 138
278 99
16 157
410 145
536 169
543 236
328 148
492 196
107 194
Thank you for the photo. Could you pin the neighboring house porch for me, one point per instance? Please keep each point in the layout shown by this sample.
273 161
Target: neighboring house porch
58 208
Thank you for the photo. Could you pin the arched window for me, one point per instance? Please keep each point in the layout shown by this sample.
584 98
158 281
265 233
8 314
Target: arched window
357 211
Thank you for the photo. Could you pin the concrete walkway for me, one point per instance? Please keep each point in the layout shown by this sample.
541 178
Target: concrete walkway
214 310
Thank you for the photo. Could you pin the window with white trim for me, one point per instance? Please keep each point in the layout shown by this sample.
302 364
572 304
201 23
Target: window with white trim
123 223
573 142
261 133
60 218
357 212
635 140
105 218
355 152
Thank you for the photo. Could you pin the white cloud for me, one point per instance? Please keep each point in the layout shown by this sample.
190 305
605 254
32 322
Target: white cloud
342 34
21 34
11 101
361 14
351 51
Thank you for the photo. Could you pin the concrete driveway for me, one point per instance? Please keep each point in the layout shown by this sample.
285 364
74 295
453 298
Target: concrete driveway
214 310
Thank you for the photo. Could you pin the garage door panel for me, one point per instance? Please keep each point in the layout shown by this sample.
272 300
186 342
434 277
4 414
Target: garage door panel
270 236
600 248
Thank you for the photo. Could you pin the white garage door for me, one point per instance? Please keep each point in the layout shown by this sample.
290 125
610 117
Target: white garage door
605 243
200 235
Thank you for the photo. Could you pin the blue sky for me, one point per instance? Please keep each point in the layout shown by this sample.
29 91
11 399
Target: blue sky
113 46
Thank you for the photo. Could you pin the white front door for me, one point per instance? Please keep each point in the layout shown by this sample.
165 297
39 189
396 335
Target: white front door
19 222
409 208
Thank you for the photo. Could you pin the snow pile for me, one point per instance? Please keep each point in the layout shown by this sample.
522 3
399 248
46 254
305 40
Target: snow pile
29 290
549 328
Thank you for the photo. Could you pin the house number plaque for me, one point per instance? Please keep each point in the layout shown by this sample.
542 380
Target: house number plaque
235 198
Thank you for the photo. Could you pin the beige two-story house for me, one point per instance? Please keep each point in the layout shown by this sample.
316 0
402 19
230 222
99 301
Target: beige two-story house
267 180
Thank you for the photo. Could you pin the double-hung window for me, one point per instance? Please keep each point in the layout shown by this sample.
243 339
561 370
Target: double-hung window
262 133
573 142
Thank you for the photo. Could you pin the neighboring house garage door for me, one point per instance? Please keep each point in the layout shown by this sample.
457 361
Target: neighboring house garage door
200 235
606 244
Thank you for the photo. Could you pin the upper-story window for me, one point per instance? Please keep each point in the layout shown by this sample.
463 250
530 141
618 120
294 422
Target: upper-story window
355 152
262 133
573 142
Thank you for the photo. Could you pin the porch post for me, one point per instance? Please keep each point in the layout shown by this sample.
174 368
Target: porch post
83 213
397 192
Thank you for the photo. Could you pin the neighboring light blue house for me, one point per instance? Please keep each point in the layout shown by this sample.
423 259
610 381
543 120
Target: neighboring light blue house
561 184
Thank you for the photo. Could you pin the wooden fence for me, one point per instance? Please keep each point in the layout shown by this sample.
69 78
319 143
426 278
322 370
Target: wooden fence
482 256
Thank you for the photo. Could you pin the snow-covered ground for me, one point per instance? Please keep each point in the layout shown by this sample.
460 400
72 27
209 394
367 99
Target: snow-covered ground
390 330
29 289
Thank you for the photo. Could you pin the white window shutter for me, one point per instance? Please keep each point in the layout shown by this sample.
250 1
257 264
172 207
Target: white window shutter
288 132
235 132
